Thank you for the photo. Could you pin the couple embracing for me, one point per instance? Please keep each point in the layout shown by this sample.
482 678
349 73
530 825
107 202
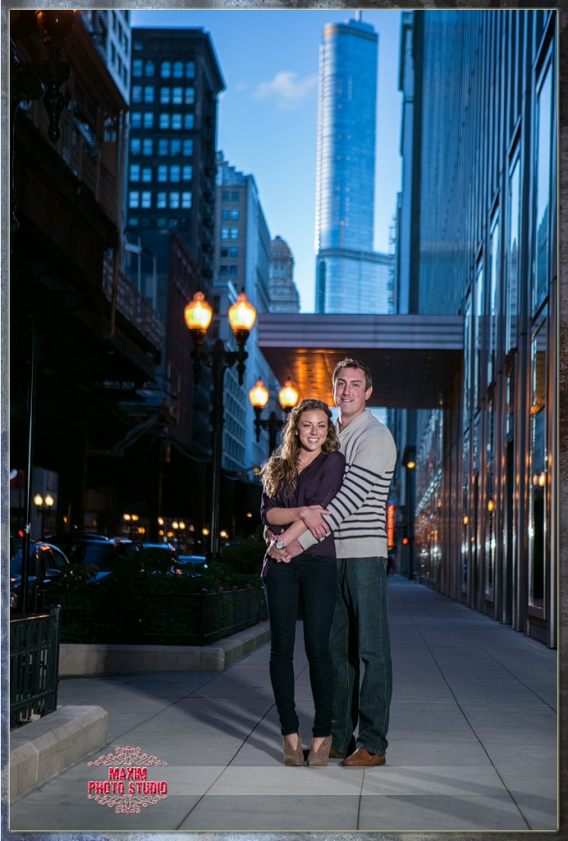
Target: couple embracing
324 504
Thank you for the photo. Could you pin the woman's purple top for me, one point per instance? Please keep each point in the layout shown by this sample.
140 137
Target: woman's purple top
317 484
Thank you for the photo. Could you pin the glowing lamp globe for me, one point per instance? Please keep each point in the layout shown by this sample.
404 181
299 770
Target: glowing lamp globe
288 395
198 313
242 314
258 395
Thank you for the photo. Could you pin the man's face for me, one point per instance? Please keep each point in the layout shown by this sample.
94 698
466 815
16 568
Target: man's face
349 393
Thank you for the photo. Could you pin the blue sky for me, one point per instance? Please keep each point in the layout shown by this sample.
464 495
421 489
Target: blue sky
268 113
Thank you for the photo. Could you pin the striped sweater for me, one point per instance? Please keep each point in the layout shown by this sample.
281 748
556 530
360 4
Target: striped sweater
358 511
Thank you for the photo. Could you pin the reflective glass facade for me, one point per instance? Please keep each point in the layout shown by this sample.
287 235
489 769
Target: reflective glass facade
348 277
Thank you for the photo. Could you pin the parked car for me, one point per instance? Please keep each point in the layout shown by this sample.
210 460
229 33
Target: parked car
193 563
45 568
160 557
98 550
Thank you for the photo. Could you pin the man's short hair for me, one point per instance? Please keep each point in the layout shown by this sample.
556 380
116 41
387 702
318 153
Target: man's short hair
353 363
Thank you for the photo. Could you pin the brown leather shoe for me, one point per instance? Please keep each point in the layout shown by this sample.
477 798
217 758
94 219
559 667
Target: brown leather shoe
334 754
363 759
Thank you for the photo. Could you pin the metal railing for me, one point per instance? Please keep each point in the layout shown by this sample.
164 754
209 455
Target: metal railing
157 618
34 665
132 305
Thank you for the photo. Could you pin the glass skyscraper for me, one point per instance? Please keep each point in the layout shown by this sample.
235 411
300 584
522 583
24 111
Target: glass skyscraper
350 277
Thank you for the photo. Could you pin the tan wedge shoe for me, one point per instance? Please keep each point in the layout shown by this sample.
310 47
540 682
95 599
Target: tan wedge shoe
292 756
318 758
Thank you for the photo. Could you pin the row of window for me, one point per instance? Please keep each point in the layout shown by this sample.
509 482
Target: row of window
173 173
229 214
177 95
233 251
229 233
228 271
174 200
145 146
176 122
234 196
168 70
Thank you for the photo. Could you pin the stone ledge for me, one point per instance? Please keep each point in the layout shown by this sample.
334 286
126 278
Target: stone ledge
51 744
76 659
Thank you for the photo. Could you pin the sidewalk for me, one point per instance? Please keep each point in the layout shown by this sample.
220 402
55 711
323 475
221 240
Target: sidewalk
472 741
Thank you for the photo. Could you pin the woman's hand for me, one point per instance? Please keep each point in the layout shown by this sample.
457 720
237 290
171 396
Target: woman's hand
278 555
313 520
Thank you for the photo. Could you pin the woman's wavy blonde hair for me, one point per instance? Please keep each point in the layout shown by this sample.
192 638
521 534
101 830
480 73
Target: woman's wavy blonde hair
282 466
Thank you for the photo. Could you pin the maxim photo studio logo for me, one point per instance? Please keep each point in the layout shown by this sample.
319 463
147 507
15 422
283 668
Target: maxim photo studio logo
128 788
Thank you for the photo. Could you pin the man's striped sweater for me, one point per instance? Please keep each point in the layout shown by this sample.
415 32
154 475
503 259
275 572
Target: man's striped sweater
358 511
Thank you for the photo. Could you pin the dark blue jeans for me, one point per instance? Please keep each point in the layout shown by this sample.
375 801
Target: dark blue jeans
311 578
360 633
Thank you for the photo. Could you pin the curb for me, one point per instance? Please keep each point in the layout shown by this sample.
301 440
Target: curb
43 748
79 660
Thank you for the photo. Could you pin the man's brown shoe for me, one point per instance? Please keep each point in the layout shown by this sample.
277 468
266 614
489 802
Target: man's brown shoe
334 754
363 759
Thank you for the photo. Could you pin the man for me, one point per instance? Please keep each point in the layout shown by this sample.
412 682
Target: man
357 517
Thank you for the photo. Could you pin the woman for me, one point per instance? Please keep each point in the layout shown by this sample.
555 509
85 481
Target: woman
306 470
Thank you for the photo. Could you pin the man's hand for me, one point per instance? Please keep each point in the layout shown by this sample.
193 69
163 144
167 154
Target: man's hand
293 549
279 555
313 520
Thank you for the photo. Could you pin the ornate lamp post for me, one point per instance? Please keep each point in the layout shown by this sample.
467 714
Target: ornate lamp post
409 462
288 397
43 504
242 316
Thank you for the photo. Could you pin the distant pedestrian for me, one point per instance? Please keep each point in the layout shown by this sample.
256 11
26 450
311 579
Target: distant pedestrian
306 470
357 518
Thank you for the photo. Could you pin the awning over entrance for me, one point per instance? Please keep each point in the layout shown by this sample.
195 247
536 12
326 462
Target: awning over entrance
413 358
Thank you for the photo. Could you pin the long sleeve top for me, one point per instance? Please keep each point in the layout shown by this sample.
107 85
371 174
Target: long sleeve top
317 484
358 512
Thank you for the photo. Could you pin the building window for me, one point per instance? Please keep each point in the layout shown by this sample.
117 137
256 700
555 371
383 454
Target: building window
147 146
224 271
234 233
543 179
174 173
225 215
175 147
148 119
138 46
163 146
178 70
164 96
234 251
162 174
233 271
189 96
161 200
135 145
224 233
147 174
137 68
189 69
188 147
513 257
493 302
478 334
125 75
166 69
176 122
234 215
136 119
188 121
224 252
164 120
235 196
148 93
186 200
538 468
225 195
149 68
187 172
135 172
174 201
136 93
147 199
177 96
134 199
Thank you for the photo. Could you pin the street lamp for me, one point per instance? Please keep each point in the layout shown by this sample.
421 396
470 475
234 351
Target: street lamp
198 315
259 396
409 462
43 504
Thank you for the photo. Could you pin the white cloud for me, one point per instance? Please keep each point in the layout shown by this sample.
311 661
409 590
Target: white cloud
286 89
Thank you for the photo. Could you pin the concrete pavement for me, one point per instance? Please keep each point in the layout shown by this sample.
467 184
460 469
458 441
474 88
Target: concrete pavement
472 742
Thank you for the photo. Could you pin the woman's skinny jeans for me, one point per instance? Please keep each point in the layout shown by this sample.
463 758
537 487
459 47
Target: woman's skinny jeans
313 580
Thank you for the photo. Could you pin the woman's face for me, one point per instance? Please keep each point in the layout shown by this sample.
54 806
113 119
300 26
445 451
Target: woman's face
312 430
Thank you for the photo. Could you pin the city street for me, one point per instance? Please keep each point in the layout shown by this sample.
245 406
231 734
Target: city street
472 742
